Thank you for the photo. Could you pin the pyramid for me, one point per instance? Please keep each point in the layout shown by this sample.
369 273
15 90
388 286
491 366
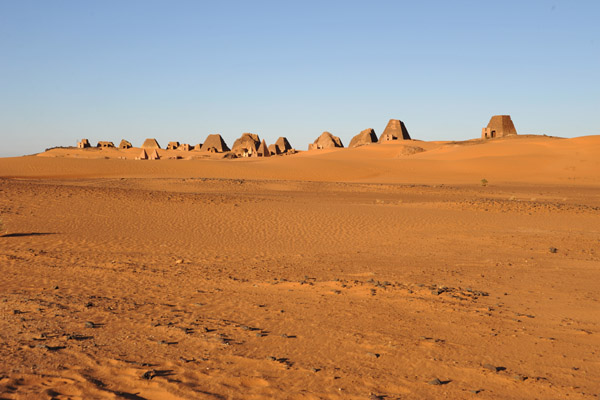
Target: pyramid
367 136
499 126
282 144
274 150
395 130
215 141
172 145
263 150
124 144
326 141
150 144
154 155
246 143
143 155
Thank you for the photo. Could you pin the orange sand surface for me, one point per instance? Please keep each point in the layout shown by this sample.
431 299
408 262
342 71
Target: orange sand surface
387 271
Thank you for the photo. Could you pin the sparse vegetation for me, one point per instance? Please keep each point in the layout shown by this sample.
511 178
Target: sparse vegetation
484 182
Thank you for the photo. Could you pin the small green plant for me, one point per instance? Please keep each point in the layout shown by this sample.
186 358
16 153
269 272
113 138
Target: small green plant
484 182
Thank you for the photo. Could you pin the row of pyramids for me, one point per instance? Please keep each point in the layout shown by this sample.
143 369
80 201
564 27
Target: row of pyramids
250 145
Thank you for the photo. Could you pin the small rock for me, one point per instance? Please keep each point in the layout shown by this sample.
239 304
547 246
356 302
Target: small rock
491 367
519 378
553 250
374 355
149 374
180 261
435 382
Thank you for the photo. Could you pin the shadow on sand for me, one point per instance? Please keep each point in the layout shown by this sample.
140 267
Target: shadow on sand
27 234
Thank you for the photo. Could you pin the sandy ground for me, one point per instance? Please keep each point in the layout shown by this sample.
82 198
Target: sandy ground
367 273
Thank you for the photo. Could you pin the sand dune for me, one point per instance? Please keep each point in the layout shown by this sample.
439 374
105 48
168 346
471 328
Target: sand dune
371 272
526 159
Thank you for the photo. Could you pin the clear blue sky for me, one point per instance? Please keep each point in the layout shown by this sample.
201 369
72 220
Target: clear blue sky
179 70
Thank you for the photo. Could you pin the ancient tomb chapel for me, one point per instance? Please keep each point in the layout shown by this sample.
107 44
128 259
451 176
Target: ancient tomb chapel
499 126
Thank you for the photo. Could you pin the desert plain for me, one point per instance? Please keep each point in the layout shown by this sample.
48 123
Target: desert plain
459 270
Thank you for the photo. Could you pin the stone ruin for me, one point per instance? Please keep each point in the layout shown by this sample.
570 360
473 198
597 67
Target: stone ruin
326 141
124 144
367 136
282 146
84 144
172 145
105 145
499 126
395 130
246 145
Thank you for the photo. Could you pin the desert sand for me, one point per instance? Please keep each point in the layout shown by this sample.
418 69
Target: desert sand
412 270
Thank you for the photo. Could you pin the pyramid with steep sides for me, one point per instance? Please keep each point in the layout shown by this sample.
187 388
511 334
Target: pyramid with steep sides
150 144
395 130
214 143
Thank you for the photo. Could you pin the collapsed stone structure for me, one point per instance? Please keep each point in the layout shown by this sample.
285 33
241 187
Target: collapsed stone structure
125 144
150 144
326 141
395 130
499 126
185 147
367 136
246 145
105 145
215 144
282 145
84 144
274 150
172 145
